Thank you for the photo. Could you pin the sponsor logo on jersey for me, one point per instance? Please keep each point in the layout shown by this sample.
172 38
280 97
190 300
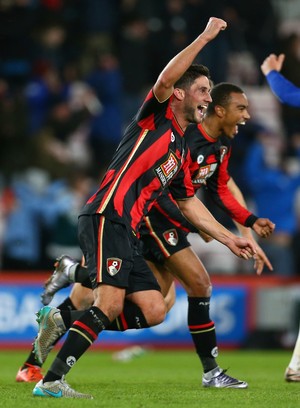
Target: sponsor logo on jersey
204 173
171 237
167 170
113 265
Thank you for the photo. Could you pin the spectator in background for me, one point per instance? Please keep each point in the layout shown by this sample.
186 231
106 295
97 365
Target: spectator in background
288 93
134 61
50 44
41 92
69 197
289 65
63 142
41 218
105 79
274 190
22 242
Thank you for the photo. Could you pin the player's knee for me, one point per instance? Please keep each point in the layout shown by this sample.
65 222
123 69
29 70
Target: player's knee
156 313
200 288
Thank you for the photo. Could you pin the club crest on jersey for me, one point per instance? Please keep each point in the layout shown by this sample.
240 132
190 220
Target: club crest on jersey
167 170
223 151
113 265
171 237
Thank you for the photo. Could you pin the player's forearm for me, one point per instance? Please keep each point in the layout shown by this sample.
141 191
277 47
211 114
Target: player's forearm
231 200
285 90
197 214
236 192
181 62
245 232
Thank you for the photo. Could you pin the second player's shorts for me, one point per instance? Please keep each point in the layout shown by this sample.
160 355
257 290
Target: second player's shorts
111 255
160 238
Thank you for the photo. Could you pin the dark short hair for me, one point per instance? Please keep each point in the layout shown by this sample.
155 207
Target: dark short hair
221 95
191 74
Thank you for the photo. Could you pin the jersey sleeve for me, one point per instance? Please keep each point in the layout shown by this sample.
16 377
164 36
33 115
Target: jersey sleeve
152 112
285 91
181 186
222 196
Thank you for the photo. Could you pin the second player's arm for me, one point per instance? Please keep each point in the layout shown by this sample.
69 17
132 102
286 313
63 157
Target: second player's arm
261 258
197 214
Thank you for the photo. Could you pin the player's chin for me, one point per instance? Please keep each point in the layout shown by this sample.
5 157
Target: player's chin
231 135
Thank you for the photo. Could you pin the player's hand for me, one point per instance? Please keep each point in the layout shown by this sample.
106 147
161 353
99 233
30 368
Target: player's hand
271 63
260 260
263 227
242 247
213 27
204 236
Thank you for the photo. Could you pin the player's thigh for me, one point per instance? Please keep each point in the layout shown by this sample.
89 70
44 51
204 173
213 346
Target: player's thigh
163 276
108 251
144 291
186 266
161 239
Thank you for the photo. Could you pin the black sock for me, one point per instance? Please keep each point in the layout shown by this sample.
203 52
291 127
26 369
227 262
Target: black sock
65 305
203 332
132 317
82 334
82 276
70 316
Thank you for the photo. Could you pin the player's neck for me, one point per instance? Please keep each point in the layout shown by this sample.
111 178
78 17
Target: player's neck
211 128
180 121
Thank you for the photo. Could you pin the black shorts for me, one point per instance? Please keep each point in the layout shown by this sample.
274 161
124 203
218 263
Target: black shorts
111 255
160 238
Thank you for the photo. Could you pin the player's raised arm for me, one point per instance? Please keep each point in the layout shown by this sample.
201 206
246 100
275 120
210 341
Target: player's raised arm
163 87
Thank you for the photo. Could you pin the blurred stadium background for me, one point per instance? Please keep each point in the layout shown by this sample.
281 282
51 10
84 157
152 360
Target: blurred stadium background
72 74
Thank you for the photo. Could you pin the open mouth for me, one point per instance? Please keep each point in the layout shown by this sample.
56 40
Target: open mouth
240 123
202 109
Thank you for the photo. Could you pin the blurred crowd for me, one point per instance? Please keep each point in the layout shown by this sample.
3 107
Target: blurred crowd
74 72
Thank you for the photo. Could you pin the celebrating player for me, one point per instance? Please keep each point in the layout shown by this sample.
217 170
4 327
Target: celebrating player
289 94
152 155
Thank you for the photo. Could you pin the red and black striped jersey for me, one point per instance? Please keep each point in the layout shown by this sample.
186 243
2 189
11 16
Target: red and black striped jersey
152 156
208 168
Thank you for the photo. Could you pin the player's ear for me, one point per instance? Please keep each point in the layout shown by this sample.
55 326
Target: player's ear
220 111
179 93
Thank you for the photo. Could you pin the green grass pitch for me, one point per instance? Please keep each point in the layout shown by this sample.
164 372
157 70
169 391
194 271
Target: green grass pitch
158 379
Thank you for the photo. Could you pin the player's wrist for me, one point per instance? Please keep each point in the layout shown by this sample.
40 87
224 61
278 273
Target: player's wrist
250 221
